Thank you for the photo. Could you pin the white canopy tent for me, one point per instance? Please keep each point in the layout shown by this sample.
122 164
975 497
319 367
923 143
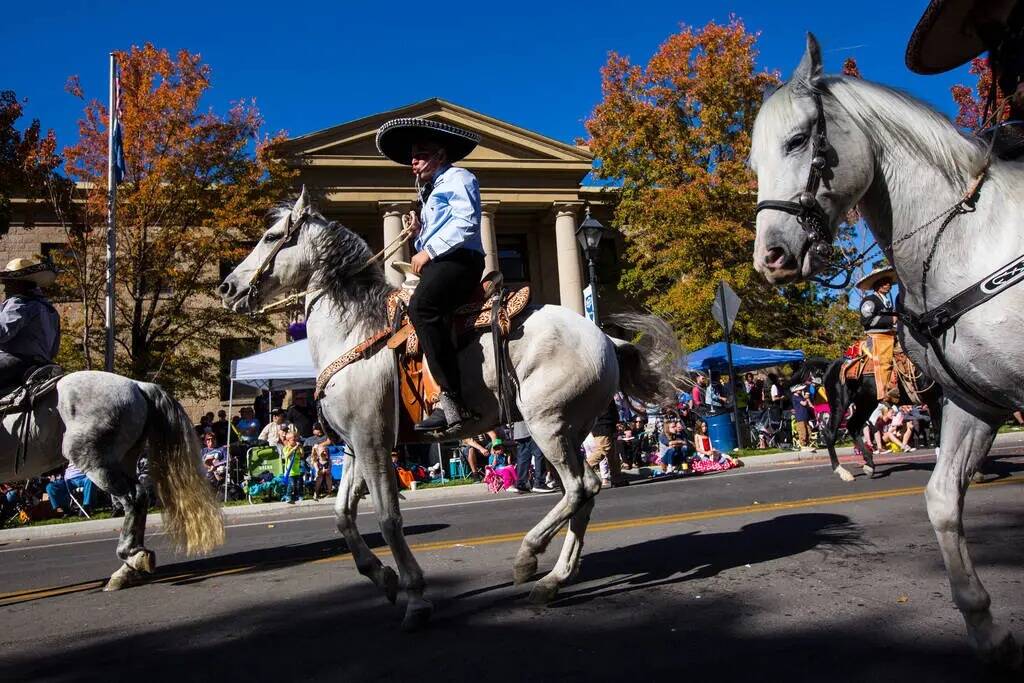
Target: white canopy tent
286 367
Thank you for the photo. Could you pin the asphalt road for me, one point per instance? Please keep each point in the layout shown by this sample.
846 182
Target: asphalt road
757 574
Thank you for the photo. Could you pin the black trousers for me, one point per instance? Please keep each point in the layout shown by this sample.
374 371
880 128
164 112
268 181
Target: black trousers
12 368
446 283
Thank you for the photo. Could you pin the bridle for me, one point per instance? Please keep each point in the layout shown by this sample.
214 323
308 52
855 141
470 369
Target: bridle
291 230
808 211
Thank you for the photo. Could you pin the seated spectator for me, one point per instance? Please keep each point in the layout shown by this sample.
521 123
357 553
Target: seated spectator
323 484
210 447
676 447
301 414
899 430
473 449
59 490
275 430
630 447
291 459
879 422
248 425
705 451
317 439
498 457
220 428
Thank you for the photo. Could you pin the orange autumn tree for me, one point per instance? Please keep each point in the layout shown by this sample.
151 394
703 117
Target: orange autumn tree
970 101
197 185
676 134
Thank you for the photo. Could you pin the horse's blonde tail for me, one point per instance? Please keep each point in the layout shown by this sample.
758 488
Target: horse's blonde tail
650 368
192 518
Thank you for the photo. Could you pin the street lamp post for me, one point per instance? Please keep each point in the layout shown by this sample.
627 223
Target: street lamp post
589 235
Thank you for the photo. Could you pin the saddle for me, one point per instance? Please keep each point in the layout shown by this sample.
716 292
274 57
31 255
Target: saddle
39 381
904 374
490 308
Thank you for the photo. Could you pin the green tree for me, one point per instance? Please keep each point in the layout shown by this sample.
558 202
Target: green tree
197 187
28 160
676 133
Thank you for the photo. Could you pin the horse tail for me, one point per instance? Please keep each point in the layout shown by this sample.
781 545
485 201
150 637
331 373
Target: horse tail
192 518
838 397
650 367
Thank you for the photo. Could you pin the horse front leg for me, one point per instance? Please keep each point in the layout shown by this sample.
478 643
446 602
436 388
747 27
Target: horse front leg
375 466
968 440
346 508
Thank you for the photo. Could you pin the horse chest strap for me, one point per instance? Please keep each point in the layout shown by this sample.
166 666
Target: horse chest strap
362 350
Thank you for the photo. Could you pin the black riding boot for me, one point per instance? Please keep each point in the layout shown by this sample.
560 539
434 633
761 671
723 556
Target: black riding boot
447 416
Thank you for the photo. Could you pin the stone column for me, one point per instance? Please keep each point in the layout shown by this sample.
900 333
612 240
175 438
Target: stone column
392 213
570 274
489 237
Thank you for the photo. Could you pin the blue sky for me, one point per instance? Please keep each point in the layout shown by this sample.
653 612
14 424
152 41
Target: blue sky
316 64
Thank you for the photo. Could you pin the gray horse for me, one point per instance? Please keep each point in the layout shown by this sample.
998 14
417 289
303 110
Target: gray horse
908 170
568 373
101 422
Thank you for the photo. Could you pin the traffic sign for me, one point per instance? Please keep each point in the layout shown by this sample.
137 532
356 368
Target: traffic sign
725 307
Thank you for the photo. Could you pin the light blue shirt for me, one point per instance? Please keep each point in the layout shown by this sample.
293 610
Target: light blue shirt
450 217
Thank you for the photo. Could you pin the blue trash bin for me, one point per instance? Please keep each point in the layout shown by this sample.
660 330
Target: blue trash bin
337 454
722 431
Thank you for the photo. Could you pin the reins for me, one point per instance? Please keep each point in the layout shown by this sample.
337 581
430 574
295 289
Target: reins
384 254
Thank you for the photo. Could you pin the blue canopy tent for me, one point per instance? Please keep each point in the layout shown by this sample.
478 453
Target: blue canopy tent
743 358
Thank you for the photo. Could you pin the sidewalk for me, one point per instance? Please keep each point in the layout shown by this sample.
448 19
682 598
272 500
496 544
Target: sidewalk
431 496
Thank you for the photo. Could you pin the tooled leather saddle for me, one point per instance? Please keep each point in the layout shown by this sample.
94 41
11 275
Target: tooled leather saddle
417 390
860 362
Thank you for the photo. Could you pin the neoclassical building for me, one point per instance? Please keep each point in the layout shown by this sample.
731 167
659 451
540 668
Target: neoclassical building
531 188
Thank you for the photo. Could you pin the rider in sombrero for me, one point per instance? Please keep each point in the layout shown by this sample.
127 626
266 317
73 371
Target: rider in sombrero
878 317
951 32
29 324
450 256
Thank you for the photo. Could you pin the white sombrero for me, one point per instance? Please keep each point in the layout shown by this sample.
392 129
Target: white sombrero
870 281
37 271
396 138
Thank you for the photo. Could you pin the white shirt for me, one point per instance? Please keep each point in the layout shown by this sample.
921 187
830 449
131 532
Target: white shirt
272 433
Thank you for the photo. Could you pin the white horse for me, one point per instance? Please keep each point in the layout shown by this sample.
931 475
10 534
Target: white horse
908 170
568 372
101 422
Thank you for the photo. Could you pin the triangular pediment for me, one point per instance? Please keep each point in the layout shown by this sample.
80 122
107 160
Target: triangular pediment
500 141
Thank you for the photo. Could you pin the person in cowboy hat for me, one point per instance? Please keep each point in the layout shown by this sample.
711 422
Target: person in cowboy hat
29 324
878 317
449 253
951 32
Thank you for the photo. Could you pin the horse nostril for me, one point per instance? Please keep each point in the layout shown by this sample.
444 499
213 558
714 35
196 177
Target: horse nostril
226 288
774 257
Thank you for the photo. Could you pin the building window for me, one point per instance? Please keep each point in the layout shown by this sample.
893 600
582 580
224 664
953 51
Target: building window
514 258
233 349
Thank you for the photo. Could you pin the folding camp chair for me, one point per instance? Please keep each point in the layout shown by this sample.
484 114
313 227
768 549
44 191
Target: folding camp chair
262 459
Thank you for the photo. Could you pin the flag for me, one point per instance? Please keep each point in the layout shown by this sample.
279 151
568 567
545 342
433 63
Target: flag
117 149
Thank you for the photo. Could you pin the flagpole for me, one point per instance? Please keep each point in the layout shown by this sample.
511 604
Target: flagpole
108 363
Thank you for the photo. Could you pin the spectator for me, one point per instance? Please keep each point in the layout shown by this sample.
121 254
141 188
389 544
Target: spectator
220 428
317 438
775 395
291 459
59 490
676 447
714 397
472 449
604 447
803 414
275 430
301 414
900 430
707 453
248 425
205 424
210 447
697 394
323 485
630 448
740 397
528 453
498 457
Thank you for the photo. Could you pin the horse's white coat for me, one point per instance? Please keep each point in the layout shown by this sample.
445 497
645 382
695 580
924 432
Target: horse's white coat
568 370
903 164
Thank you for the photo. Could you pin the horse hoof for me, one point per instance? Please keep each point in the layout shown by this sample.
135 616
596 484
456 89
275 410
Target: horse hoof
869 471
543 593
143 561
1005 654
417 616
524 570
389 584
978 478
844 473
124 577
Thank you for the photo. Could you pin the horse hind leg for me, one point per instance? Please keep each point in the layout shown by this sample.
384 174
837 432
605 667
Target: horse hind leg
968 440
138 561
569 560
350 491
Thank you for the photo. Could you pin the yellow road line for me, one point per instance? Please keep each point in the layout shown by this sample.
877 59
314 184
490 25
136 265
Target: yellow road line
7 599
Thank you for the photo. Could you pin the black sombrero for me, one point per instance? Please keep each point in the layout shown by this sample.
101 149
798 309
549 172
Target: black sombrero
953 31
396 138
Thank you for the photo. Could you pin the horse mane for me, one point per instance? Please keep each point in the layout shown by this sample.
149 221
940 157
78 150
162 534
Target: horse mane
908 123
341 255
892 119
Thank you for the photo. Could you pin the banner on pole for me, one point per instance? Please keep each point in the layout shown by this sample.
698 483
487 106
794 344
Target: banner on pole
588 303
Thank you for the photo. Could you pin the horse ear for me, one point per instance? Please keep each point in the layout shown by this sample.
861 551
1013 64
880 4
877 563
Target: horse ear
301 204
809 71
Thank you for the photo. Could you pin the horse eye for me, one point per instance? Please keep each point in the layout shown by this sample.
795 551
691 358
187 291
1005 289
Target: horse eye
795 142
271 237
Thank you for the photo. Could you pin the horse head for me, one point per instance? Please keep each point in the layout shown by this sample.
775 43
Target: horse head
281 261
813 164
